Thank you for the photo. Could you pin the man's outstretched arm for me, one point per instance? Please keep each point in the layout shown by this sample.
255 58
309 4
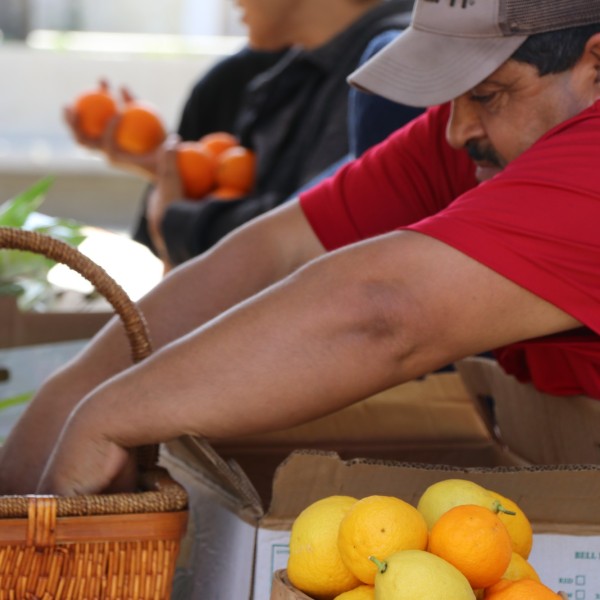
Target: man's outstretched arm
241 265
338 330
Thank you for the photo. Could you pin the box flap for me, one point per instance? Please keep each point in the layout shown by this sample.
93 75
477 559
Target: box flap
541 428
435 409
307 476
198 456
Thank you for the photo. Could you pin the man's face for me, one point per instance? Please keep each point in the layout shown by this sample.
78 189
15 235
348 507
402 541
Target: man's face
509 111
269 22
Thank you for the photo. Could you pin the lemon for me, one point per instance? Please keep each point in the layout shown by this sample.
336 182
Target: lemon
440 497
518 525
315 566
379 526
420 575
520 568
362 592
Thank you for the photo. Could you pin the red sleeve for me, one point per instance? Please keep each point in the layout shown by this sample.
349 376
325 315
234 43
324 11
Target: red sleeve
536 223
409 176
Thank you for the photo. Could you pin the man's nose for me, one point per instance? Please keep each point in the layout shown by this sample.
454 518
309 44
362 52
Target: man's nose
463 124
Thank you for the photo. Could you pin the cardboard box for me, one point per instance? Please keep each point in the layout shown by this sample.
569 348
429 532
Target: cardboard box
19 328
237 526
522 418
562 504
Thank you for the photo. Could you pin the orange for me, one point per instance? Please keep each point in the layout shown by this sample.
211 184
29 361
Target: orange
93 110
523 589
140 129
379 526
518 525
475 541
236 168
219 141
224 193
195 166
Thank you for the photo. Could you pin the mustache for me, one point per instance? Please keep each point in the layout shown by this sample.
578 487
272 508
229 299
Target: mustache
483 154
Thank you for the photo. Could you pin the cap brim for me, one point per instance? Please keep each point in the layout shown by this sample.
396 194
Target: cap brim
424 69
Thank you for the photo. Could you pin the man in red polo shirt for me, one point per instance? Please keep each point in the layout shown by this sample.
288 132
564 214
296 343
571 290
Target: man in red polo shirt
425 265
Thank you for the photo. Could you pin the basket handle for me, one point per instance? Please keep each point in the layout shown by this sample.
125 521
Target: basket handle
131 317
133 321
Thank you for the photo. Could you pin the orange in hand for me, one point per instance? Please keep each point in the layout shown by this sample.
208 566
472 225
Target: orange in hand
140 129
216 165
196 167
216 143
475 541
236 169
93 110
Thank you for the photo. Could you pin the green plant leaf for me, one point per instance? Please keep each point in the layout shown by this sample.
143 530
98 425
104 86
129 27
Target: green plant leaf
26 273
14 212
18 264
63 229
16 400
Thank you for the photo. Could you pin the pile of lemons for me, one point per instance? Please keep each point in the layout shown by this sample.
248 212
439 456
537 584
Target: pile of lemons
460 542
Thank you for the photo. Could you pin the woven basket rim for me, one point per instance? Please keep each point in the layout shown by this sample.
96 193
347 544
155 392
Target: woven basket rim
166 495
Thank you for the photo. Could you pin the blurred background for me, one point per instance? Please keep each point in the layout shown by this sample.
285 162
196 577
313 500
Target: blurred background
51 50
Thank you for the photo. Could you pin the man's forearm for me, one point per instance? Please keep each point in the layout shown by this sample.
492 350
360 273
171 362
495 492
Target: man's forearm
272 362
342 328
190 296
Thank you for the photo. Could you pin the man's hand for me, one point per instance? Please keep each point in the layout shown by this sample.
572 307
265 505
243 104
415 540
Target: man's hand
86 462
168 189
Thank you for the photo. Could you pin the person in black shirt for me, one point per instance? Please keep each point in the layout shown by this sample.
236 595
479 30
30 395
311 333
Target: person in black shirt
285 96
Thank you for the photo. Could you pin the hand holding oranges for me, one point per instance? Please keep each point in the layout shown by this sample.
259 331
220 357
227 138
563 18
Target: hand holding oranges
130 132
133 127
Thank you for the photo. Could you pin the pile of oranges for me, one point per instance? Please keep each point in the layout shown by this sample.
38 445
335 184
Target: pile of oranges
461 541
216 165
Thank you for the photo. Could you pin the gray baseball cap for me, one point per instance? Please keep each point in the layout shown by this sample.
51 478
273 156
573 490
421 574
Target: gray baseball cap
452 45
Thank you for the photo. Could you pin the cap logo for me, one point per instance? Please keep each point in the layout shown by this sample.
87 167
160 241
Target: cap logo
459 3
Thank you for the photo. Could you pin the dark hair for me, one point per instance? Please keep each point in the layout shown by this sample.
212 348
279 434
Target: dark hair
555 51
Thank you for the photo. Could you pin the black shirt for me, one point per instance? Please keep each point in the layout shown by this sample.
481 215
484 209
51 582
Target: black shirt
291 109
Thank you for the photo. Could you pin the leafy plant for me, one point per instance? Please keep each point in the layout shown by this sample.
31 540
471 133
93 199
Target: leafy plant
25 274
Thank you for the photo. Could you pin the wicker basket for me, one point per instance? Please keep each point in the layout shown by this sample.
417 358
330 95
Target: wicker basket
113 546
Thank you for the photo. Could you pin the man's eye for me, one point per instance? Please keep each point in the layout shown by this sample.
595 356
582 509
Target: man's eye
483 98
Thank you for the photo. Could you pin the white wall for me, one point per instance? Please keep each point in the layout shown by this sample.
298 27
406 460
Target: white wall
189 17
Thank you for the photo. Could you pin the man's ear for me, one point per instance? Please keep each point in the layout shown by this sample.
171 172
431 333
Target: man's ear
591 56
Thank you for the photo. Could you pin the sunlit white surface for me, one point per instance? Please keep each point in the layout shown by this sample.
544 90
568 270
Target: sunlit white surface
86 41
130 264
